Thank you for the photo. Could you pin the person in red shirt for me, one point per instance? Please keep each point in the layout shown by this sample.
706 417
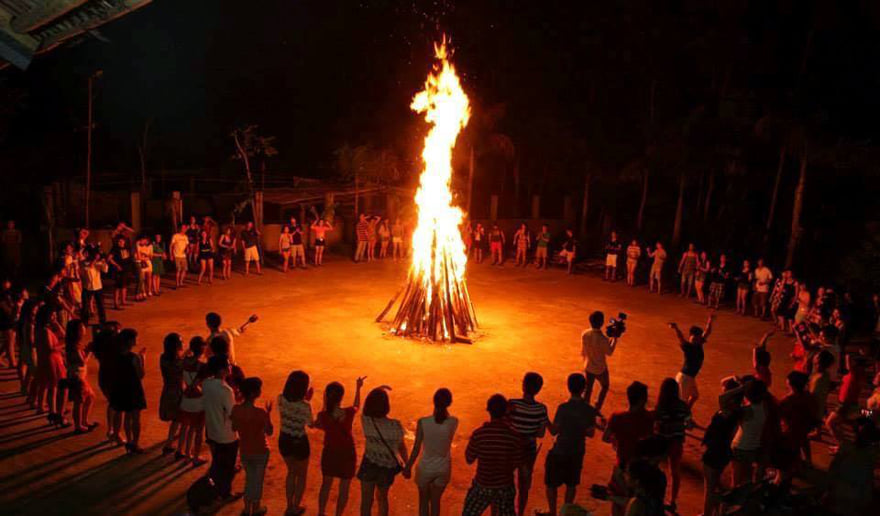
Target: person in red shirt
624 431
253 424
850 388
498 450
796 413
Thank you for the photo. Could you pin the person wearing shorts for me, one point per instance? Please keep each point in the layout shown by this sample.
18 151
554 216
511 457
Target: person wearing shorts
396 240
763 277
521 241
655 277
542 243
496 245
692 348
434 435
297 248
178 248
293 442
249 240
574 421
498 450
633 253
569 248
719 276
284 243
612 251
320 228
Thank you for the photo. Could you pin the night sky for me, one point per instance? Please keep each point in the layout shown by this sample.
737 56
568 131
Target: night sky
318 74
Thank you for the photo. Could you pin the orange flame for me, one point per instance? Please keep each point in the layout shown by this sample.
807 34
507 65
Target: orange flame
437 248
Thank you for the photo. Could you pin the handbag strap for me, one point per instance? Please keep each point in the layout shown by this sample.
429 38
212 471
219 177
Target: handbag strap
381 438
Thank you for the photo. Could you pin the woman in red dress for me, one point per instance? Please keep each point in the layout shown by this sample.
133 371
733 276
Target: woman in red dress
49 336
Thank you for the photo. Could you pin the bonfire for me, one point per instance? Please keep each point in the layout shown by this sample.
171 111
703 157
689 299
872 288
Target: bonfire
435 303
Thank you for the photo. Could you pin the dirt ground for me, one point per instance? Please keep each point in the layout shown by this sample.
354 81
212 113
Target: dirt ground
321 321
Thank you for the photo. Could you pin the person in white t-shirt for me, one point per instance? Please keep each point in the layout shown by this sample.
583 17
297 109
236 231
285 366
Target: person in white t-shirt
763 280
434 434
218 399
595 347
179 245
213 322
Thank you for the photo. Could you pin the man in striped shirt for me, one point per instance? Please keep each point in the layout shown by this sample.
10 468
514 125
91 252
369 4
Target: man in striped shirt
362 230
528 417
498 450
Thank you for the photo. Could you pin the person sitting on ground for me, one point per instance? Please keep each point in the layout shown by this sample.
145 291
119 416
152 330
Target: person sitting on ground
624 431
434 433
339 456
528 417
575 420
253 424
692 348
295 415
498 450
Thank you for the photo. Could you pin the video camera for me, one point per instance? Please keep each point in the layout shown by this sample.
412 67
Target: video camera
616 326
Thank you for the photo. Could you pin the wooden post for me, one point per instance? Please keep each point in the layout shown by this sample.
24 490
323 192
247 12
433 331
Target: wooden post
493 208
176 210
136 212
568 210
329 210
258 210
536 206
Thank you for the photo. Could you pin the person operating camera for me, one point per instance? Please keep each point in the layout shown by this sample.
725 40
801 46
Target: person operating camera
596 347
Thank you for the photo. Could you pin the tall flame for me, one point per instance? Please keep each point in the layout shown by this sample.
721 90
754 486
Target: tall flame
437 241
436 304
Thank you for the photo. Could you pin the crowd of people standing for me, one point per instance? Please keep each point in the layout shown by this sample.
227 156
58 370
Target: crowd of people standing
206 396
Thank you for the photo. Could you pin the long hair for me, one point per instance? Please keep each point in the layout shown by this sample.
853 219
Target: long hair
296 386
73 336
333 396
442 401
171 345
668 394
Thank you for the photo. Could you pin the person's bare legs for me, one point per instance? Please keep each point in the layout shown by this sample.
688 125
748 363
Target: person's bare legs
342 499
552 500
382 500
324 495
247 267
203 265
211 270
711 484
368 490
524 485
184 440
172 432
675 473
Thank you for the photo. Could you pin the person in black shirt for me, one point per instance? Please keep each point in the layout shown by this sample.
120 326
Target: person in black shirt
612 251
250 237
718 277
121 263
297 248
692 348
716 444
569 247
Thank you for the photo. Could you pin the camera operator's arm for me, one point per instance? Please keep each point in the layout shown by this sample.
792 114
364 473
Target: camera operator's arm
708 330
612 345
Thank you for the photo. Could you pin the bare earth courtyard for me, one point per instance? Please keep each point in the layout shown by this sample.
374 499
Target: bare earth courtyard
321 321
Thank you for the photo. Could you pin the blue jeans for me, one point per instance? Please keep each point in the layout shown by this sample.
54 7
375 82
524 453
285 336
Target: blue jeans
254 471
